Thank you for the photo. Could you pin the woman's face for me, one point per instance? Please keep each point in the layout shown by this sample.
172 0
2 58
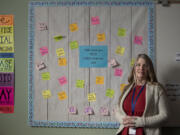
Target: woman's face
141 69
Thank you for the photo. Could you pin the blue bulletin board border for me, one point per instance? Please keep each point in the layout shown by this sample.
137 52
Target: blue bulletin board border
151 52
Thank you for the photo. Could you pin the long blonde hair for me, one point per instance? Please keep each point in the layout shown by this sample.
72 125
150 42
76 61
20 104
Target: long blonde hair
151 76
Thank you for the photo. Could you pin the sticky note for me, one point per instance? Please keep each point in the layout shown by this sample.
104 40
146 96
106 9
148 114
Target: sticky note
121 32
73 27
138 40
104 111
46 94
113 63
110 93
122 87
60 52
101 37
40 66
62 62
62 80
99 79
74 44
42 26
72 110
62 95
45 76
118 72
44 50
91 97
95 20
120 50
88 110
58 38
80 83
6 64
132 62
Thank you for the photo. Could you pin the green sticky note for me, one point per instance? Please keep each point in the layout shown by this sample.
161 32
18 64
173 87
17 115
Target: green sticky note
110 93
6 64
74 44
58 38
121 32
45 76
80 83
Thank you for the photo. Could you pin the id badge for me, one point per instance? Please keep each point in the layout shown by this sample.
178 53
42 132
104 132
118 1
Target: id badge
132 131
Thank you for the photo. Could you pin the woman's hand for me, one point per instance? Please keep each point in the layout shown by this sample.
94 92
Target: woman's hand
129 121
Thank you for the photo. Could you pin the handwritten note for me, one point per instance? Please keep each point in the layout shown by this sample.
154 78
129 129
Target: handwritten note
62 80
42 26
101 37
45 76
40 66
91 97
121 32
104 111
62 62
95 20
74 44
88 110
44 50
73 27
72 110
122 87
120 50
60 52
62 95
110 93
46 94
118 72
58 38
80 83
138 40
6 64
113 63
99 79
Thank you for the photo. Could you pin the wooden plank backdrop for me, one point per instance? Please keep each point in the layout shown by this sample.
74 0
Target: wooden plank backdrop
57 19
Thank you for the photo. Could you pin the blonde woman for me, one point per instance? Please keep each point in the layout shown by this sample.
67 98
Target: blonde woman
142 106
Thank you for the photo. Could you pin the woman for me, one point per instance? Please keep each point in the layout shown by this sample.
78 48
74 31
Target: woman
143 105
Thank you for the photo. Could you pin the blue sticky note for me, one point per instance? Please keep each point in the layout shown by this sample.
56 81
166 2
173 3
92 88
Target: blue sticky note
93 56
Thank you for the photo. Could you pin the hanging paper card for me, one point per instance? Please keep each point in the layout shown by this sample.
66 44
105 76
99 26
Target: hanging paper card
91 97
62 80
101 37
95 20
46 94
110 93
62 95
122 87
118 72
88 110
120 50
99 79
73 27
74 44
45 76
138 40
44 50
58 38
104 111
121 32
60 52
80 83
72 110
42 26
62 61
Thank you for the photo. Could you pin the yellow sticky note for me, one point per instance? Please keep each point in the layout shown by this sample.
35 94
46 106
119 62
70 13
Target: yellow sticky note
46 94
62 62
120 50
60 52
99 79
80 83
101 37
6 64
62 95
74 44
45 76
122 87
121 32
132 62
110 93
91 97
73 27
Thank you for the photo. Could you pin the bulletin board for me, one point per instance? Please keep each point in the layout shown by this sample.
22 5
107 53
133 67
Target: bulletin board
80 56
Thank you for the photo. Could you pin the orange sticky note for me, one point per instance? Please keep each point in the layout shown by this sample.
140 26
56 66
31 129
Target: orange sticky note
6 20
73 27
122 87
62 62
99 79
101 37
62 95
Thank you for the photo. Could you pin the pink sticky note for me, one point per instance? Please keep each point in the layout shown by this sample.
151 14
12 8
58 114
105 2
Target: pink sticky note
138 40
44 50
6 96
118 72
95 20
62 80
88 110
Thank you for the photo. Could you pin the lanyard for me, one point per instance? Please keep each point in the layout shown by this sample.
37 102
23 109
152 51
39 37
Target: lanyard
133 103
